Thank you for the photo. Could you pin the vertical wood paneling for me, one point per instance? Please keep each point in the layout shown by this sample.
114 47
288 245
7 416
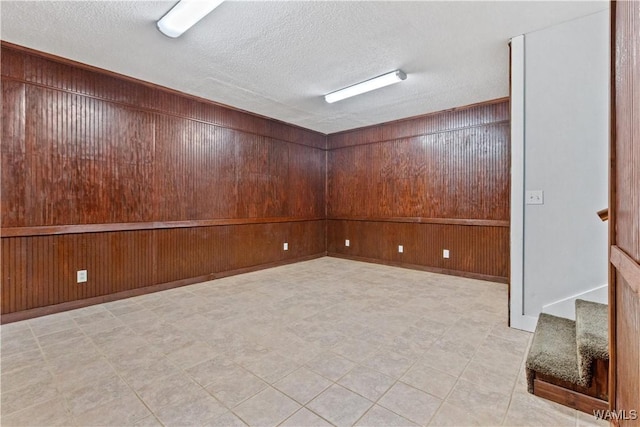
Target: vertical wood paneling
13 154
625 211
450 166
457 174
81 146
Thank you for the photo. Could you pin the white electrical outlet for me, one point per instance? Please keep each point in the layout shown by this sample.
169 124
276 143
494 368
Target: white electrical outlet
347 243
285 247
445 253
400 249
81 276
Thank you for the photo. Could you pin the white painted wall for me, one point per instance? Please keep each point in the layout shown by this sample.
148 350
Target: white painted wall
564 153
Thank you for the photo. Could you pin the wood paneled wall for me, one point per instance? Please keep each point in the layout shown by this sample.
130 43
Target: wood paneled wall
434 182
624 214
142 186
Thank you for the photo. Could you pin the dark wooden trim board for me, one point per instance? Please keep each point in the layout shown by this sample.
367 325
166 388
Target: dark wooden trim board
50 230
627 267
570 398
420 220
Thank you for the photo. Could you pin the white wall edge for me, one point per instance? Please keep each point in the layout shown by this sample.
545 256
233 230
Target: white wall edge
516 281
524 322
566 307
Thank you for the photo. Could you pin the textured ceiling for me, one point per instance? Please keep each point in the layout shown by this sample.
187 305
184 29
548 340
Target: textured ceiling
277 58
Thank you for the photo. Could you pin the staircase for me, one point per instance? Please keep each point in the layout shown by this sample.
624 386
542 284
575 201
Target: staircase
568 361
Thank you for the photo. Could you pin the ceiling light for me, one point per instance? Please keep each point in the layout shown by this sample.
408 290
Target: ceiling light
184 15
366 86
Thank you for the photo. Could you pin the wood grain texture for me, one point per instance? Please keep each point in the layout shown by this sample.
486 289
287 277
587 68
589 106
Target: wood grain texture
435 182
39 271
473 249
625 211
142 186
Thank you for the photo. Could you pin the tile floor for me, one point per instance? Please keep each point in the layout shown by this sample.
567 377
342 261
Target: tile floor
319 343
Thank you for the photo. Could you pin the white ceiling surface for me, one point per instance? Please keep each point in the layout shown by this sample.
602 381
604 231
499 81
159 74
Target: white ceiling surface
278 58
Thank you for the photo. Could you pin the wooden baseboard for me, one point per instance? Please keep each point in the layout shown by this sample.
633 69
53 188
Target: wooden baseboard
467 274
72 305
566 397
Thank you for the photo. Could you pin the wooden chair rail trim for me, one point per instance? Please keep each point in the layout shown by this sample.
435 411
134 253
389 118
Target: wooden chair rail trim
422 220
49 230
627 267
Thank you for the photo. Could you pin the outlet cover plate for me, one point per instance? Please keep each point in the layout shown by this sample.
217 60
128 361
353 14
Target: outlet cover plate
81 276
534 197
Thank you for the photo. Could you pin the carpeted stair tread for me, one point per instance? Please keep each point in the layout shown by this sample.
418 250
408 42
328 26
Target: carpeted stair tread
592 336
553 350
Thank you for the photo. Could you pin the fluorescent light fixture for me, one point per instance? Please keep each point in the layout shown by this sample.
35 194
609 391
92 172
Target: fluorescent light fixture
184 15
366 86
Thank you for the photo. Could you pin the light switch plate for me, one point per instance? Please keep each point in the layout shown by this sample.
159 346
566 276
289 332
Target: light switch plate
445 253
534 197
285 247
347 242
400 248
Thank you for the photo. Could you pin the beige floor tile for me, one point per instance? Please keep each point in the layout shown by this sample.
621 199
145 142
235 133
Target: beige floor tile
267 408
96 394
20 398
344 321
432 381
479 400
18 361
192 354
378 416
389 363
49 413
60 336
339 406
206 372
367 382
271 366
24 377
228 419
91 370
154 369
330 365
195 412
150 421
41 328
166 391
411 403
589 420
302 385
18 342
236 386
451 363
453 416
528 410
355 349
305 418
123 411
